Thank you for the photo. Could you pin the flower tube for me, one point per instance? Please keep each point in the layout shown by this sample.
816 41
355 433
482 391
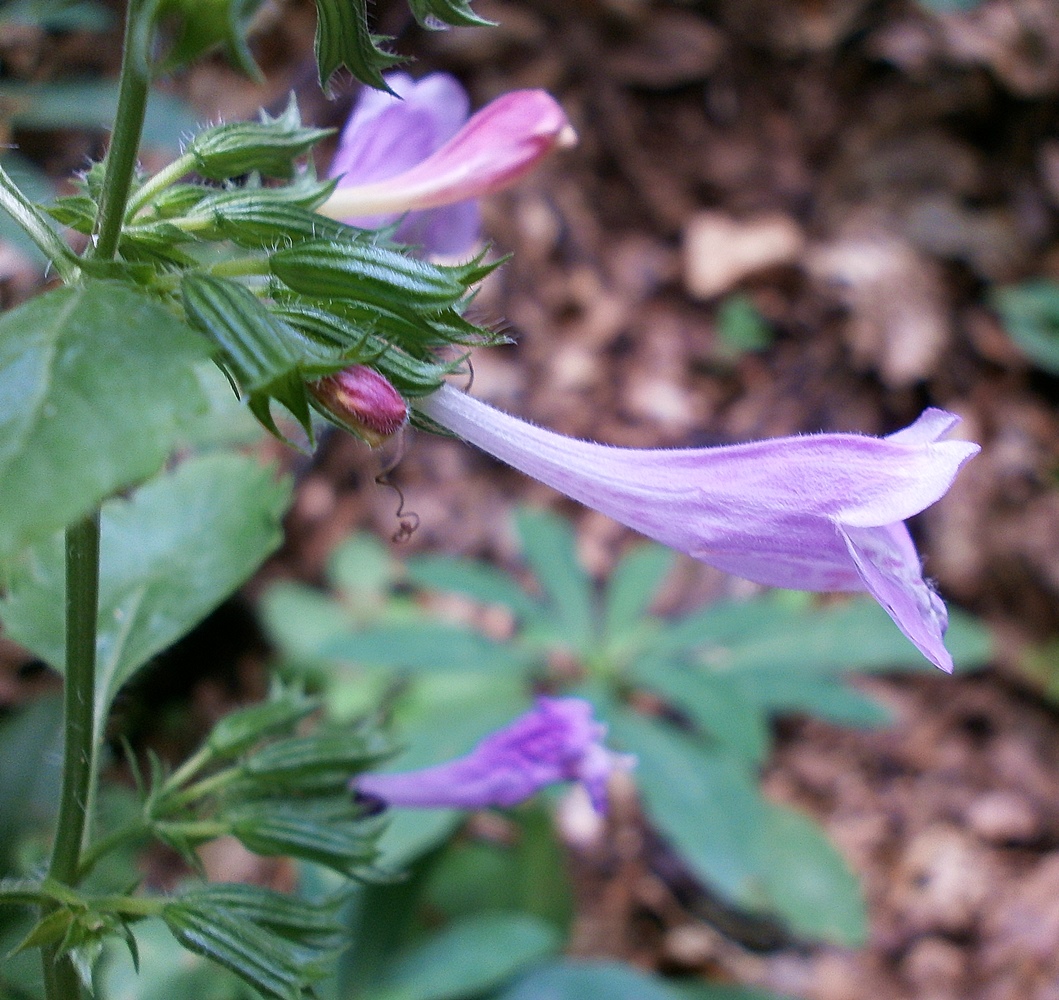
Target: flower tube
815 512
397 156
557 740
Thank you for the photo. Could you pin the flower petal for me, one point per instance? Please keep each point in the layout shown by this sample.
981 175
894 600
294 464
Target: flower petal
889 566
558 740
796 512
388 135
495 148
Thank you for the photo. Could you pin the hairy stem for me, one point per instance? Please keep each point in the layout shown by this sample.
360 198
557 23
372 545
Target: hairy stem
165 177
82 600
37 227
124 143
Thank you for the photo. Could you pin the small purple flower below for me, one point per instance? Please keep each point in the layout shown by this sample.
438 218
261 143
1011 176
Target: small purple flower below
557 740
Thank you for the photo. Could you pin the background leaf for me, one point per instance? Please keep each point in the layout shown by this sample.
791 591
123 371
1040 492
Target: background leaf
704 803
808 881
93 104
550 549
96 384
477 581
168 557
632 586
468 957
29 796
570 980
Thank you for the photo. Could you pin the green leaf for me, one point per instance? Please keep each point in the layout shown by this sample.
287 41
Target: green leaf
1030 313
240 730
468 957
809 882
528 873
322 761
29 796
96 386
718 707
733 638
344 40
763 857
824 697
550 548
58 15
169 555
197 26
301 620
572 980
741 327
37 187
425 647
704 803
288 916
695 990
475 580
262 223
363 572
949 6
631 588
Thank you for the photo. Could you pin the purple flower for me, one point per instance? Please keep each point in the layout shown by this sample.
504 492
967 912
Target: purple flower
557 740
817 512
418 153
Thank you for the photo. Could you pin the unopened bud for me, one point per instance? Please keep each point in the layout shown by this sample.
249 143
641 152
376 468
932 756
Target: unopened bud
363 402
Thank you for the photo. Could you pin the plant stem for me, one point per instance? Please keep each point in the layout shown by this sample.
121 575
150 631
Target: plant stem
159 182
82 601
26 214
124 143
61 981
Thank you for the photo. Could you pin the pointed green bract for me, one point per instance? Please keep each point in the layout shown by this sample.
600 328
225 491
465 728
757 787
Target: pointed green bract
96 386
267 358
343 40
448 12
269 146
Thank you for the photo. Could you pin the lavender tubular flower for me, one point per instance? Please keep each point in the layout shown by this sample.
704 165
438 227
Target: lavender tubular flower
420 154
558 740
817 512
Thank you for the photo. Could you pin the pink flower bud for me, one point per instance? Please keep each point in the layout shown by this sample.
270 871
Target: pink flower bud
496 147
363 402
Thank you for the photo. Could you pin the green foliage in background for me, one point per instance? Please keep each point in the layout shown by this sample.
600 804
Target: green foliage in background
715 678
1030 313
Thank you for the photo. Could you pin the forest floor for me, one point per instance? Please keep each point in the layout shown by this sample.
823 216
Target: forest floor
864 173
